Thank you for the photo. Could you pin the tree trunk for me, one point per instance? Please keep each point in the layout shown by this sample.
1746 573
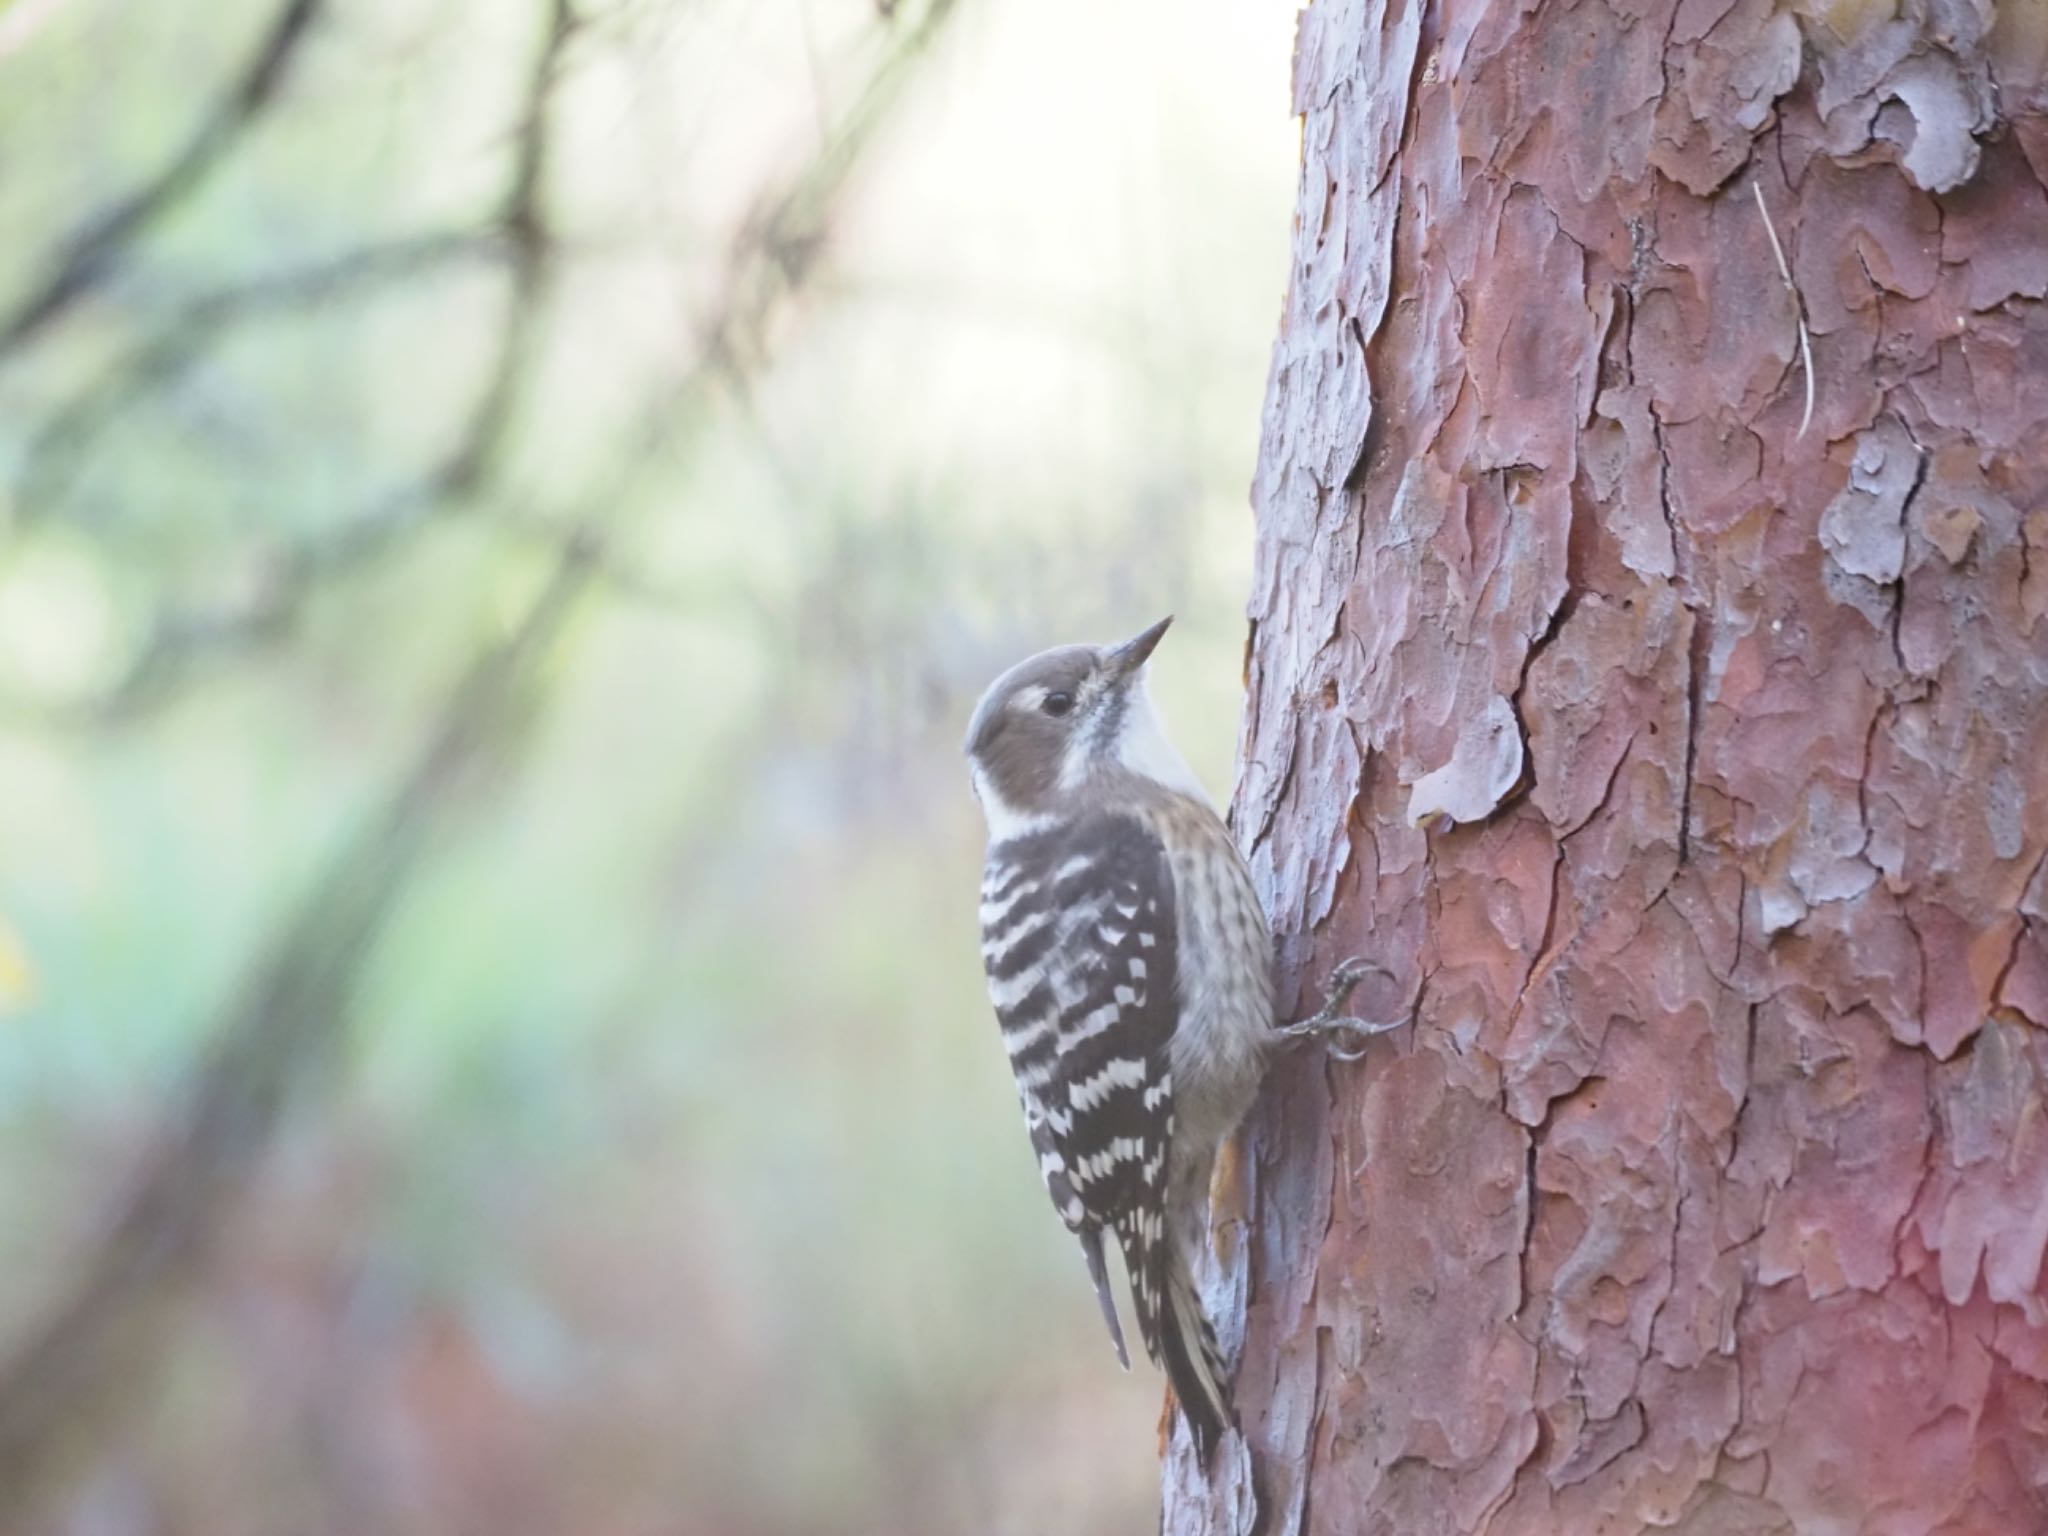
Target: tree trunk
1684 761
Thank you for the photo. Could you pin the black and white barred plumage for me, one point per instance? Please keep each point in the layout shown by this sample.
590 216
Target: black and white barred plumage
1078 940
1129 963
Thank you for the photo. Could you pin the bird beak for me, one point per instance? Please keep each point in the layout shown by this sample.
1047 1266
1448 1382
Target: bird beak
1125 660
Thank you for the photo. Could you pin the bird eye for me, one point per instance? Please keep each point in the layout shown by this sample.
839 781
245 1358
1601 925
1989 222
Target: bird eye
1057 704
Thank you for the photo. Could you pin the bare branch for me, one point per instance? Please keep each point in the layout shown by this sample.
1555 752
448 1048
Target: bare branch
91 1357
772 259
61 445
78 1367
93 251
296 1002
183 636
524 224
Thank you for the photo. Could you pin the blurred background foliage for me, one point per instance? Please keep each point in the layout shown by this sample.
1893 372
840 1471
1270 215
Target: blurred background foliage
504 510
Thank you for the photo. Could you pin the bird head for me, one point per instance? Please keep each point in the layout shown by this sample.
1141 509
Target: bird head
1069 727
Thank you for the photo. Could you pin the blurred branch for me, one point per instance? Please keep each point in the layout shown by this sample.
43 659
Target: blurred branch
92 1356
621 576
522 222
772 259
516 231
91 253
792 229
180 637
80 1364
61 445
70 1372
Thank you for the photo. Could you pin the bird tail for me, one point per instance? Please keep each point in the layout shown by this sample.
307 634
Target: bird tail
1193 1362
1091 1249
1176 1331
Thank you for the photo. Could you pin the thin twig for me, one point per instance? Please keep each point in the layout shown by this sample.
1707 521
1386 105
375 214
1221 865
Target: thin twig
1798 305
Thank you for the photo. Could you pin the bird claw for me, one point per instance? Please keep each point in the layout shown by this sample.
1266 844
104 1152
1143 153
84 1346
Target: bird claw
1364 1028
1327 1020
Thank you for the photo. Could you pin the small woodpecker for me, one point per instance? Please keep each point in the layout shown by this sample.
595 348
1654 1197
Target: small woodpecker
1130 965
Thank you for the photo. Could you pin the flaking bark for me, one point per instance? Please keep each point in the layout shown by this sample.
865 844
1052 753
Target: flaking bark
1709 1191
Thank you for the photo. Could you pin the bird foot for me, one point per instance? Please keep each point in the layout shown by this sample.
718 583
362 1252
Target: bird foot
1326 1020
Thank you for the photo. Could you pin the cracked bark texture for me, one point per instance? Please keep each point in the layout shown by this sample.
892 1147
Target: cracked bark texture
1688 772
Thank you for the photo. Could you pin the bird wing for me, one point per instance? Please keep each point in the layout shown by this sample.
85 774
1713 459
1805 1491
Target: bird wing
1079 941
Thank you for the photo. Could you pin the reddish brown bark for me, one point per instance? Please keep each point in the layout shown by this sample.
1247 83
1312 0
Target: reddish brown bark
1709 1190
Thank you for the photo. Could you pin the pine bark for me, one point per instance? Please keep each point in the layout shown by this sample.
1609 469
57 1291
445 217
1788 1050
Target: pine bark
1688 771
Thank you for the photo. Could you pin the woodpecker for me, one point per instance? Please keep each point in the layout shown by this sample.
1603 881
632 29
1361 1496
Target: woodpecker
1130 965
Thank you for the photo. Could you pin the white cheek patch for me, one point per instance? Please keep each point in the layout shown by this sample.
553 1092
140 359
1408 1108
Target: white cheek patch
1005 821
